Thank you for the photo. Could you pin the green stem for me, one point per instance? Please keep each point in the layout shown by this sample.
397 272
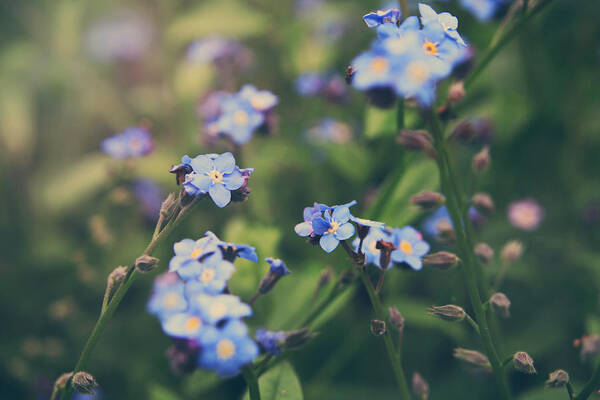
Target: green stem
252 382
393 354
570 391
502 40
472 322
591 385
450 190
404 9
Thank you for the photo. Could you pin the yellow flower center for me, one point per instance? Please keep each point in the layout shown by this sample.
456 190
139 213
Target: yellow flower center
430 48
379 66
193 324
207 275
334 227
418 71
215 176
406 247
240 117
196 253
217 310
225 349
170 301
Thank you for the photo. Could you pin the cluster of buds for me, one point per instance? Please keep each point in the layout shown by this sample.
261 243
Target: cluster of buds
276 271
417 140
484 252
557 379
511 252
146 263
501 304
183 356
472 131
481 161
378 327
483 203
589 346
84 383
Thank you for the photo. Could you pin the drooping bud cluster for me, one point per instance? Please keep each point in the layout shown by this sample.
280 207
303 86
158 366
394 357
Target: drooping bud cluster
485 253
378 327
146 263
482 160
417 140
501 304
483 203
523 363
84 383
557 379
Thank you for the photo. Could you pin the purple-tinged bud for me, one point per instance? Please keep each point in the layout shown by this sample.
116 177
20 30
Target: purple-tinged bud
146 263
296 338
385 255
417 140
590 346
428 200
557 379
501 304
362 231
445 233
116 276
378 327
474 358
84 383
483 203
325 277
448 312
456 92
482 160
168 205
183 356
420 387
382 97
463 132
277 269
180 172
396 318
484 252
523 363
442 260
243 192
61 381
511 252
350 71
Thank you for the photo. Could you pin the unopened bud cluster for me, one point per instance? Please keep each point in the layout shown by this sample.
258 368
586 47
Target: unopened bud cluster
557 379
441 260
448 312
523 363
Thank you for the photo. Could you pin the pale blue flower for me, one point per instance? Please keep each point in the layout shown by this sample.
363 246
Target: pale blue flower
215 309
410 247
213 277
335 226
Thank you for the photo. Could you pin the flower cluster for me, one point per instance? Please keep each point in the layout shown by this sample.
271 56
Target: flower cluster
215 175
133 142
330 86
194 305
409 60
237 115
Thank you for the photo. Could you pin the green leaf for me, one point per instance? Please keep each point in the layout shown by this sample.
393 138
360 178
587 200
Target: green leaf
158 392
279 383
380 122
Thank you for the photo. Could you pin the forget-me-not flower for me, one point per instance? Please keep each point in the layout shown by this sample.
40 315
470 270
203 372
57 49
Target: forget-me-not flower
188 254
380 17
239 119
233 250
214 309
213 277
270 341
410 247
369 247
133 142
167 299
183 325
261 100
334 226
305 228
484 10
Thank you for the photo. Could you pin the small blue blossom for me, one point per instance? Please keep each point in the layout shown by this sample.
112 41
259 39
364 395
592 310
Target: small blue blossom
213 277
270 341
309 84
236 249
334 227
227 349
217 176
214 309
187 254
261 100
305 228
374 68
150 197
484 10
379 17
369 247
239 119
410 247
167 298
277 266
448 22
437 222
183 325
131 143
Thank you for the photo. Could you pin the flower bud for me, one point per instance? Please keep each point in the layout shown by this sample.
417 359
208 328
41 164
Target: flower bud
448 312
456 92
325 277
180 172
362 231
297 338
557 379
84 383
428 200
420 387
350 71
484 252
445 233
417 140
441 260
145 263
378 327
483 203
590 346
62 380
501 304
116 276
277 269
523 363
183 356
482 160
385 255
511 251
396 318
474 358
167 206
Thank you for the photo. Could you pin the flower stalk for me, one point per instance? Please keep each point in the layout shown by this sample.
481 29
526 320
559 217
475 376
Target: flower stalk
252 382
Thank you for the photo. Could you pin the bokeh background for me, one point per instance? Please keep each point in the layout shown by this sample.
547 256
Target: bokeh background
75 72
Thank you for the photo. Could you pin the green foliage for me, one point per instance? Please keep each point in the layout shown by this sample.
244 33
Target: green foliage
280 383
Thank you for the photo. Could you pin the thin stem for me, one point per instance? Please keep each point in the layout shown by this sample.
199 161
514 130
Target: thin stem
252 382
500 276
472 322
253 299
570 390
502 40
450 189
591 385
380 281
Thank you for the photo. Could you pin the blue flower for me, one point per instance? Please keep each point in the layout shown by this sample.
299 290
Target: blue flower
131 143
215 309
270 341
374 68
482 9
227 349
305 228
167 298
213 277
410 24
183 325
330 130
187 254
448 22
369 247
239 119
379 17
410 247
277 266
233 250
150 197
367 222
261 100
216 175
437 222
309 84
334 227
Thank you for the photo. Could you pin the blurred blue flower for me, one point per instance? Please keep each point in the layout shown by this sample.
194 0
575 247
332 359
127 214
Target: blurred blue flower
261 100
369 247
227 349
167 299
380 17
213 277
236 249
410 24
374 68
218 176
330 130
183 325
437 222
270 341
410 247
150 197
309 84
187 254
214 309
334 227
482 9
239 119
305 228
277 266
133 142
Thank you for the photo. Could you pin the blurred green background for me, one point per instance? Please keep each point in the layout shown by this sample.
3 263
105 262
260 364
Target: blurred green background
67 216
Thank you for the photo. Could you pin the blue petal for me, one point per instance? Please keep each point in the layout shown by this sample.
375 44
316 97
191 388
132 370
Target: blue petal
345 231
320 226
225 163
304 228
414 262
202 164
184 247
328 243
234 180
427 13
420 248
200 181
220 195
341 214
